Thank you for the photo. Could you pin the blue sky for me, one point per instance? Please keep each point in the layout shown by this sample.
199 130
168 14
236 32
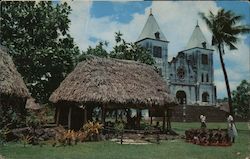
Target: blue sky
99 20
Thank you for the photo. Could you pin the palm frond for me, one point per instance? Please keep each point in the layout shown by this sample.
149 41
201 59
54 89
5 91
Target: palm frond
231 46
242 29
225 27
236 19
207 20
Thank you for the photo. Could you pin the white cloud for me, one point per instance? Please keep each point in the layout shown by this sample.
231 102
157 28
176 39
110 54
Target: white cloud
177 21
80 17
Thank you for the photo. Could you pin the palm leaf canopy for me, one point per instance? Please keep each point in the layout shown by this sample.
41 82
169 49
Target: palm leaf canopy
225 27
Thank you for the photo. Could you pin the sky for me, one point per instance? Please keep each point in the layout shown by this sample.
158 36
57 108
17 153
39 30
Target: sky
94 21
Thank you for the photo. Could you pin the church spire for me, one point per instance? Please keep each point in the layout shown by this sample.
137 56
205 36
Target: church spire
197 38
150 12
151 29
197 25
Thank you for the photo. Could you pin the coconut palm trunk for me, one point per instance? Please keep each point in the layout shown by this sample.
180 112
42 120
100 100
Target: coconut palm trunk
220 48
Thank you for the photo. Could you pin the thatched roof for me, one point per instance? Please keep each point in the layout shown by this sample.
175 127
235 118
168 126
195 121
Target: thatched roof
11 82
114 82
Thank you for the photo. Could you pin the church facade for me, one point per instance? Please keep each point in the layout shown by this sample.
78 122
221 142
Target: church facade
190 74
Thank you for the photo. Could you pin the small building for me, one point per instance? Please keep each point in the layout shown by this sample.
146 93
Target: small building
109 84
13 91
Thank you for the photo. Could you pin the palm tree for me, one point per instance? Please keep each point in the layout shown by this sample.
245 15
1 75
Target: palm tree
225 28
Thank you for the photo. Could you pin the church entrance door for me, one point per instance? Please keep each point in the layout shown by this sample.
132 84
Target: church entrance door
181 96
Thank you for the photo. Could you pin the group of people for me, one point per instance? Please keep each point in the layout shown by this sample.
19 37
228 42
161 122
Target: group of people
231 128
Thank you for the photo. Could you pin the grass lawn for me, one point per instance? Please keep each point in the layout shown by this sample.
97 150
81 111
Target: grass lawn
172 149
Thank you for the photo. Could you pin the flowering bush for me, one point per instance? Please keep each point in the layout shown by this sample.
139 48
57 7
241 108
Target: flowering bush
208 137
92 130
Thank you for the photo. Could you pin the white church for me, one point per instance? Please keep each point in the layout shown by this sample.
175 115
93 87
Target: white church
190 74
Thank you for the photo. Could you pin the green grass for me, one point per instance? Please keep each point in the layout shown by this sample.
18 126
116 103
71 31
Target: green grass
172 149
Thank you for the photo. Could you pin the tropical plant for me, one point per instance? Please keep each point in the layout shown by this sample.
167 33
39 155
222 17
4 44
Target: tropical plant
225 27
81 136
37 118
241 99
66 137
3 135
122 50
130 51
99 50
92 129
10 118
70 137
36 35
119 127
26 139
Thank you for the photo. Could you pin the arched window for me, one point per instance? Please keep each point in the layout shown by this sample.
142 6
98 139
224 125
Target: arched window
207 78
205 97
202 77
181 96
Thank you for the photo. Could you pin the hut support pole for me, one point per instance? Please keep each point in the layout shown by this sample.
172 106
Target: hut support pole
138 114
85 115
103 114
116 112
58 115
164 121
151 120
69 118
168 120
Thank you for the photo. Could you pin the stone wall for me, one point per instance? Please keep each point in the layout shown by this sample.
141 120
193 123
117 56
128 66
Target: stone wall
192 114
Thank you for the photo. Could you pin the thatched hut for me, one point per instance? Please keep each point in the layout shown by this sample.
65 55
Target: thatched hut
13 91
110 84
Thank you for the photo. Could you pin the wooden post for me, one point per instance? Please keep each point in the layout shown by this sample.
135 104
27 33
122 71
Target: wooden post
116 112
138 120
58 110
151 120
103 114
69 118
164 121
168 120
121 137
85 115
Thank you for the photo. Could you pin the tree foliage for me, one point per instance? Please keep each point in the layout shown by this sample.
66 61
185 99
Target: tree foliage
130 51
225 27
241 99
122 50
99 50
37 37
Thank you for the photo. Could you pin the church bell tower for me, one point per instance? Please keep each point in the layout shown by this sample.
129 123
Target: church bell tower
153 39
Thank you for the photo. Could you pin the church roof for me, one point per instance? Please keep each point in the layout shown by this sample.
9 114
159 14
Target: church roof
150 29
197 39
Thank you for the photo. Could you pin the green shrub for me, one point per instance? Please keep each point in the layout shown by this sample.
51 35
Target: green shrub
3 135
